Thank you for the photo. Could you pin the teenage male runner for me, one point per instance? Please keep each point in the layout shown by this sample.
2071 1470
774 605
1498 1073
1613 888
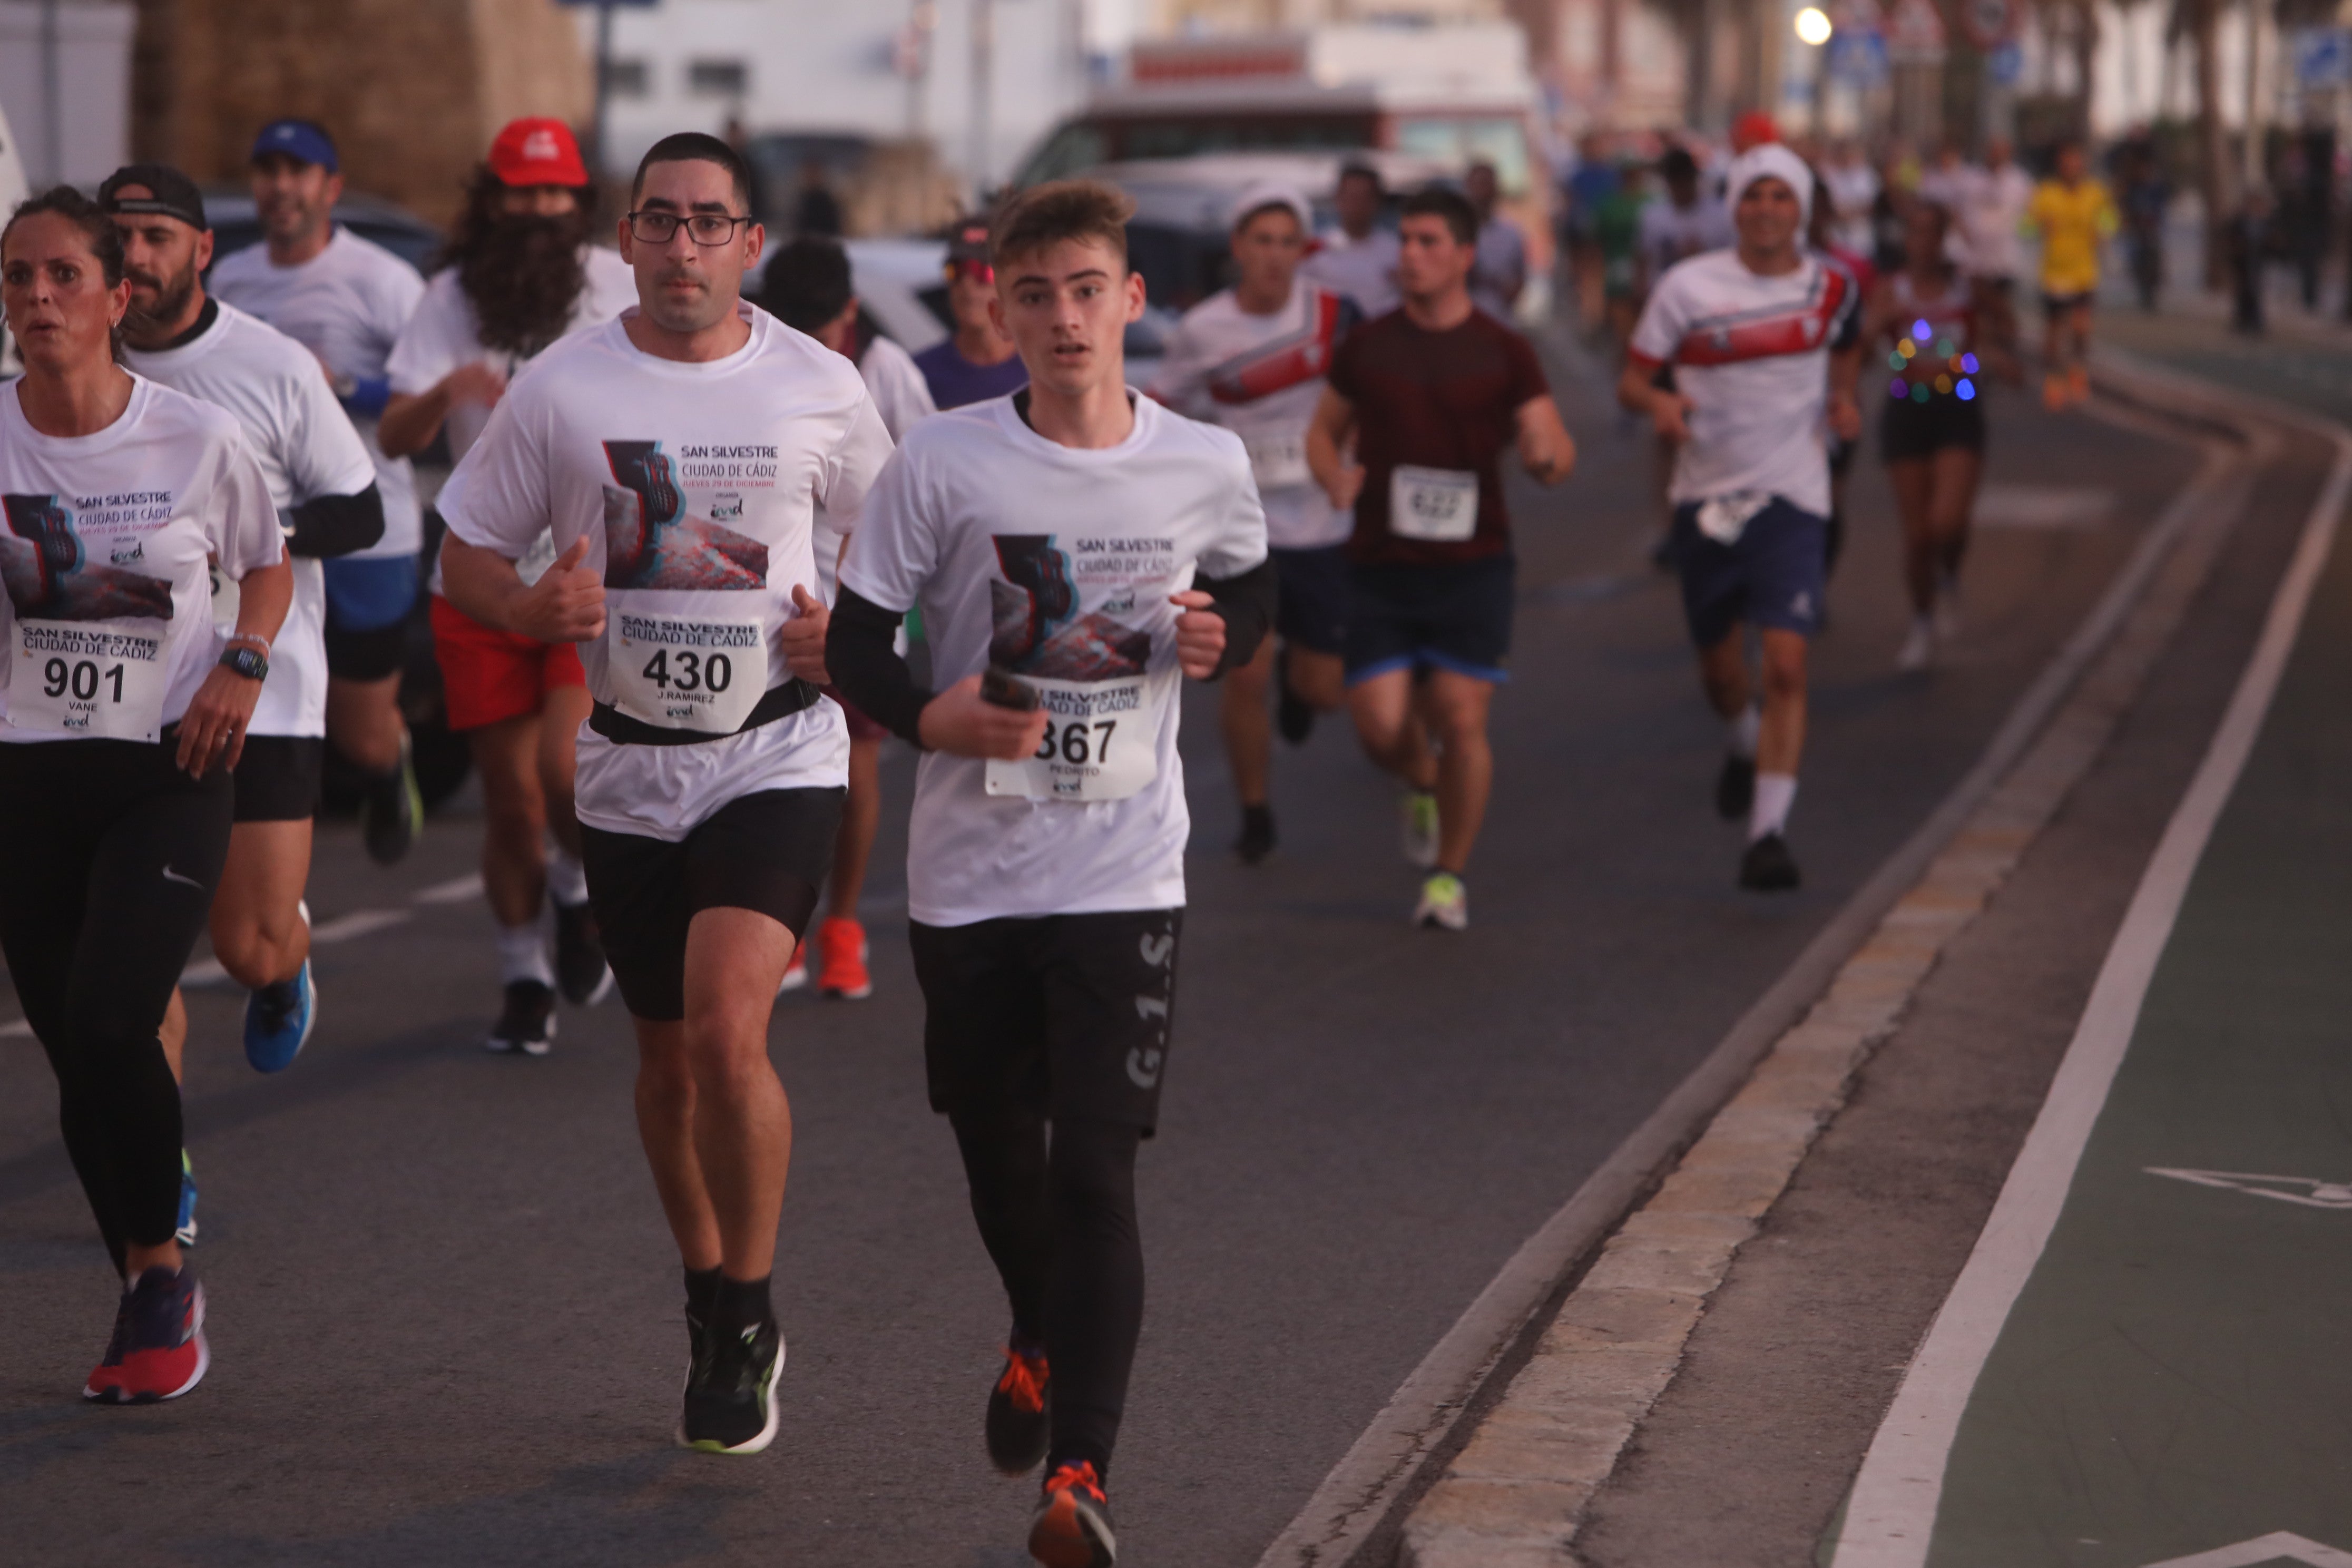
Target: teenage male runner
1357 260
808 287
977 361
518 274
345 298
1076 552
1765 341
324 485
1252 358
1434 394
120 725
697 462
2074 215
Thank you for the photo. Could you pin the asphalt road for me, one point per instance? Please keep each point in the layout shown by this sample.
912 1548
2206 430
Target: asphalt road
445 1312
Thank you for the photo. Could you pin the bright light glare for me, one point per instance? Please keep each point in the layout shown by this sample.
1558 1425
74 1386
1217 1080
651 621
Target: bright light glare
1813 25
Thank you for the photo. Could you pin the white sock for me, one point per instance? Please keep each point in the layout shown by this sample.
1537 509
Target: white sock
522 956
567 879
1775 793
1744 731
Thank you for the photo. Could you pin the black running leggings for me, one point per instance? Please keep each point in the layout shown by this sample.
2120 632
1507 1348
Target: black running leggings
107 872
1060 1227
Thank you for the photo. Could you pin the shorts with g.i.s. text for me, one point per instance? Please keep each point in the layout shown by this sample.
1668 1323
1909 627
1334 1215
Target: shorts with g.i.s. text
488 676
1771 575
1311 598
1455 617
1059 1014
277 777
766 852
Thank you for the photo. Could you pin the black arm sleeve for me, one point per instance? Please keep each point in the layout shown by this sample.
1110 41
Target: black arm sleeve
1247 604
860 654
337 525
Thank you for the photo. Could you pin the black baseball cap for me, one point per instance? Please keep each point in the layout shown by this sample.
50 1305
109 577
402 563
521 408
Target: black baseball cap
169 193
967 241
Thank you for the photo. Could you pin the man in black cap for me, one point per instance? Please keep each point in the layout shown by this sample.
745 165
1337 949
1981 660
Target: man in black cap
979 361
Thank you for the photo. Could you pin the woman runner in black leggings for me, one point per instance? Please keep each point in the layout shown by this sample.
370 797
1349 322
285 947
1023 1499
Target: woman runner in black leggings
120 718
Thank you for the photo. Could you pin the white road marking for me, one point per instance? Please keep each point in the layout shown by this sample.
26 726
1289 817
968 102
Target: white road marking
1890 1516
456 890
2042 507
2306 1190
2277 1545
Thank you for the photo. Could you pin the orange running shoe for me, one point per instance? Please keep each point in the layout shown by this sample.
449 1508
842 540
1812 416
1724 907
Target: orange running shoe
1017 1424
2078 383
1072 1529
841 960
2054 392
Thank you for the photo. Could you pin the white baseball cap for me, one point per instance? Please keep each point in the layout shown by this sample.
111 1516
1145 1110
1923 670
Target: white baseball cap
1260 195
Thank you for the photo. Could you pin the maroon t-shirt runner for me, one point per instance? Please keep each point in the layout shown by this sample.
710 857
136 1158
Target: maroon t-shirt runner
1435 405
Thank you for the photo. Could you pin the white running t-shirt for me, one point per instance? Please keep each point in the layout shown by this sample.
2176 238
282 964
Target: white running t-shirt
1261 377
896 383
1751 352
107 629
1056 564
307 448
347 305
1362 269
706 493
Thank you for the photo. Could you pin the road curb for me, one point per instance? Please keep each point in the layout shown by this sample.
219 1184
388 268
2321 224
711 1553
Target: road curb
1516 1492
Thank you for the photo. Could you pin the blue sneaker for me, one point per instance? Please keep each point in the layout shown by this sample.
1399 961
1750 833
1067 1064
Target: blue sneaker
278 1021
185 1232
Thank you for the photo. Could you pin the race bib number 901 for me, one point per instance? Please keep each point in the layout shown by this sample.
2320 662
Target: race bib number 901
682 673
93 680
1101 742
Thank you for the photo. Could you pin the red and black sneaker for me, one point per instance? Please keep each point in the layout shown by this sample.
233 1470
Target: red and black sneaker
1018 1429
1072 1527
158 1351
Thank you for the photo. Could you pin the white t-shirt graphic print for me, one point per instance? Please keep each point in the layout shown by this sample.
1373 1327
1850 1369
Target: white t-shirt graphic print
1057 562
706 493
104 538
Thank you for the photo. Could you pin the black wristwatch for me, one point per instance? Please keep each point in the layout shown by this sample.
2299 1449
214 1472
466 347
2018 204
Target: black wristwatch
246 660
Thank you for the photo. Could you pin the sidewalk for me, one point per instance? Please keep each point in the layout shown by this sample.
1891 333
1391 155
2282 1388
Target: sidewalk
2165 1386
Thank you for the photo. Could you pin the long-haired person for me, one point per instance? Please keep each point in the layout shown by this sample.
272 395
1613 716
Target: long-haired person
120 724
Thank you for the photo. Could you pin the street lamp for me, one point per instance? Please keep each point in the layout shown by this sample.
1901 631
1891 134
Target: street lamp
1813 25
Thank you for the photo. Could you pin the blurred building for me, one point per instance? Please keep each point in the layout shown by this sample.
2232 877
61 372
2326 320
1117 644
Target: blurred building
412 89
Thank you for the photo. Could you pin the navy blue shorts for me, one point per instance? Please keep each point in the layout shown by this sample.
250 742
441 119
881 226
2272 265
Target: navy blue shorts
1771 576
1455 616
368 603
1311 598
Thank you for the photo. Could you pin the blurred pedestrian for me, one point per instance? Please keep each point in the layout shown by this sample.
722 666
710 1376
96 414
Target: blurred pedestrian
1596 179
1991 218
2075 215
1357 259
1500 274
2245 245
1851 186
2145 199
818 210
978 360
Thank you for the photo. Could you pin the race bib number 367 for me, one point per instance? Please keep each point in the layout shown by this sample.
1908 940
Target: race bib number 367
686 672
1101 742
96 679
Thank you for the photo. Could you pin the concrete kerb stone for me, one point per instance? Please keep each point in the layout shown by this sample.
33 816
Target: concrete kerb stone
1515 1495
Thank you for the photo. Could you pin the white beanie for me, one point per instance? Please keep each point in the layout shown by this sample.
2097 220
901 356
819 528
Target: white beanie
1260 195
1771 160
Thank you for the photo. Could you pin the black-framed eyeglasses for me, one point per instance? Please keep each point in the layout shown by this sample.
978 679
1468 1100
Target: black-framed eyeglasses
704 228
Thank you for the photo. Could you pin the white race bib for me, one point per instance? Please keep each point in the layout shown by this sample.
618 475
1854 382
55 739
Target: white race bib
95 679
1279 462
686 672
1102 740
1440 505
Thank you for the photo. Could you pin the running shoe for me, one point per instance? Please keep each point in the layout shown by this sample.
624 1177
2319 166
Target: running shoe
1018 1427
730 1407
1293 716
2054 392
185 1230
158 1351
392 813
1918 648
2078 383
1444 904
278 1019
1947 606
1768 867
580 972
527 1023
1734 786
796 972
1421 830
841 960
1072 1525
1256 841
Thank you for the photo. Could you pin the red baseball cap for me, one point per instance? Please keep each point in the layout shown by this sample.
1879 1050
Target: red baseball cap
537 152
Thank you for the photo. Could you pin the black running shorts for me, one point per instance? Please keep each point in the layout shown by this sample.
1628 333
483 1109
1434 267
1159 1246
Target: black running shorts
1909 431
1061 1014
1311 598
277 777
767 852
1455 616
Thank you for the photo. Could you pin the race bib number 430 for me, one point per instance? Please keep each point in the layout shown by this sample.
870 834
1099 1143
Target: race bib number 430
1102 740
687 673
95 679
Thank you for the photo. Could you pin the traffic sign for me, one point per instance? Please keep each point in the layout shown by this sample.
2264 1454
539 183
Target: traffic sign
1915 33
1991 23
2322 57
2005 64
